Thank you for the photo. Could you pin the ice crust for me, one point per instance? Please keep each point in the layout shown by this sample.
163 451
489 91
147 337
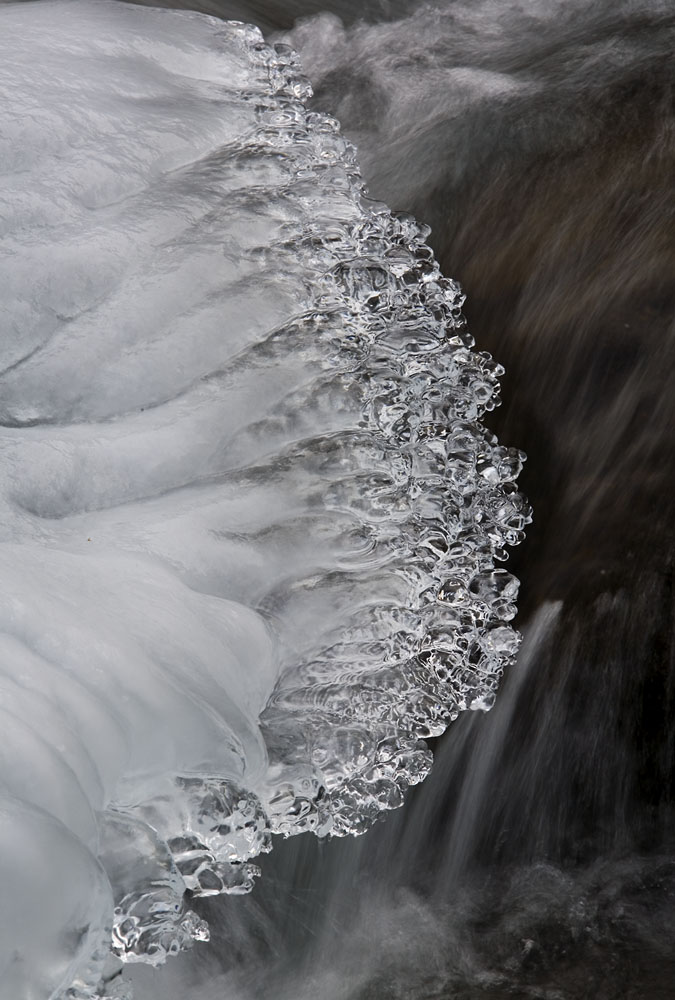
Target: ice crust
251 522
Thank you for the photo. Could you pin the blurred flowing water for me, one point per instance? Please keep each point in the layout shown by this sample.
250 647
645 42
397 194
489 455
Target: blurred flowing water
538 141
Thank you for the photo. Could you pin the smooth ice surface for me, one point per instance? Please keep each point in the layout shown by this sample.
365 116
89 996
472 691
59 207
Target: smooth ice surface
249 517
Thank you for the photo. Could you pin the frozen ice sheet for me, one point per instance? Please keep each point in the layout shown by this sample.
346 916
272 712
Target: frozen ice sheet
250 519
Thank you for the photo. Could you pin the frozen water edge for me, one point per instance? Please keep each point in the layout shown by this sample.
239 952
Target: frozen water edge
251 521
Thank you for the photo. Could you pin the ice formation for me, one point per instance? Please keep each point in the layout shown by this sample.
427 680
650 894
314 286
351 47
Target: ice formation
251 523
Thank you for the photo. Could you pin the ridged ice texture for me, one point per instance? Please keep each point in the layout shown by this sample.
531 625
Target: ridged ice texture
251 523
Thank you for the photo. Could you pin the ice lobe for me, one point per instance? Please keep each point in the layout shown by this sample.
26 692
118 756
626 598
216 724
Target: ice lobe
251 523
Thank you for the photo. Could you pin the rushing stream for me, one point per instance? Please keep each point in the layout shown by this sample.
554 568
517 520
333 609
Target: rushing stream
254 523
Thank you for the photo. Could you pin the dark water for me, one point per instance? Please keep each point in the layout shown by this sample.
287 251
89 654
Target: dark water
538 140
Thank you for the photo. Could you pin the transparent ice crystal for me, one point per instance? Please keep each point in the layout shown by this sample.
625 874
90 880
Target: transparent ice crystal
252 524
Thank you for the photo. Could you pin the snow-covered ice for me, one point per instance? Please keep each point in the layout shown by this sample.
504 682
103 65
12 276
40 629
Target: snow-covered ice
249 517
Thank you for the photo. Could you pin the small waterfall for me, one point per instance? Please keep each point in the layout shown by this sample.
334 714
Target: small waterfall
530 861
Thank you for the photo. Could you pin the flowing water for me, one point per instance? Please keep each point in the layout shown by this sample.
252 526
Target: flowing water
536 860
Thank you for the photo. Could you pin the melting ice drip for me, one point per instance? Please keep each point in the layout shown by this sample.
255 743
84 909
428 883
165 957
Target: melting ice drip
251 524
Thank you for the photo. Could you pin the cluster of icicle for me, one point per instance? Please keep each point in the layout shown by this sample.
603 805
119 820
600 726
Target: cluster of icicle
433 493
